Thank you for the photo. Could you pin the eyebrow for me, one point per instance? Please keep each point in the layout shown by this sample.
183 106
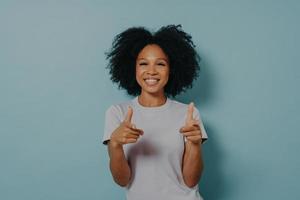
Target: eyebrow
157 59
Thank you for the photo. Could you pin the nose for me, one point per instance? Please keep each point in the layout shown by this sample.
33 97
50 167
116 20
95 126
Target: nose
151 69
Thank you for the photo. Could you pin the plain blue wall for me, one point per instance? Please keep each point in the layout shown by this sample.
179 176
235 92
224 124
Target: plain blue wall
54 90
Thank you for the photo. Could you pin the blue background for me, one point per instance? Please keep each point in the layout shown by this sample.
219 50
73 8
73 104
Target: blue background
54 90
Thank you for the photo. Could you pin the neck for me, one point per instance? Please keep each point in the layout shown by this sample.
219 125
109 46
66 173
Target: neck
152 100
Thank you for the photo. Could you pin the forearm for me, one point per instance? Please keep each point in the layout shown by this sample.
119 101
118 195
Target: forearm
192 166
118 164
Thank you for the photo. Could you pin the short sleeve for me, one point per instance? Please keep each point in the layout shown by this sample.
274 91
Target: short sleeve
197 116
112 121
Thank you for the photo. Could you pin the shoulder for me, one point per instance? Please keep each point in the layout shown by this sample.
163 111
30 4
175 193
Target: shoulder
119 109
180 106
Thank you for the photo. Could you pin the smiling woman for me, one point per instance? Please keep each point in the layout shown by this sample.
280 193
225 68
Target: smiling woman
154 142
176 44
152 70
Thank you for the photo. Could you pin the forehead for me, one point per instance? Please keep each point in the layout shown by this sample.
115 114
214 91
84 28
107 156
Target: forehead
152 51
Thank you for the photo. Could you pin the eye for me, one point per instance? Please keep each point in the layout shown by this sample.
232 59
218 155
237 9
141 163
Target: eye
143 63
161 64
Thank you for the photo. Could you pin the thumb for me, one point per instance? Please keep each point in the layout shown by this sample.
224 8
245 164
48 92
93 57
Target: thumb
129 114
190 111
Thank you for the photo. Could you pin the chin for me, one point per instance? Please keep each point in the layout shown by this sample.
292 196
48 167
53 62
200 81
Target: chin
152 91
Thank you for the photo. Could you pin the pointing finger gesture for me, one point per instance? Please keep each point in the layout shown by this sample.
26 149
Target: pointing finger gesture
126 132
191 129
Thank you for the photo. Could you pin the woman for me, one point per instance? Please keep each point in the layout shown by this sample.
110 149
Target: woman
154 142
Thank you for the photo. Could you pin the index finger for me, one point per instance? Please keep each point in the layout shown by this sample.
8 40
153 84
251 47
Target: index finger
190 111
129 115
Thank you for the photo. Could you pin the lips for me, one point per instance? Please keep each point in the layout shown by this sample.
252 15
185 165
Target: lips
151 81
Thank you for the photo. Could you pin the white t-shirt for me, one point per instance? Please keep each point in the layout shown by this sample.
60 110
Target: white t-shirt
156 158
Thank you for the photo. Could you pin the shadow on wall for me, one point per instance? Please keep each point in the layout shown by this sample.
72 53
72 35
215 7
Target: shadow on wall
213 182
202 91
212 185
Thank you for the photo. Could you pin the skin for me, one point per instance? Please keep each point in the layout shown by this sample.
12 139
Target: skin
192 163
152 62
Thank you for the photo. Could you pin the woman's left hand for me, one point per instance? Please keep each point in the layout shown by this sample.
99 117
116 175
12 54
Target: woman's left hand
191 129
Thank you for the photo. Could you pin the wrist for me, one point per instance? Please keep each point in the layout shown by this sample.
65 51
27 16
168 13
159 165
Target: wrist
194 144
115 144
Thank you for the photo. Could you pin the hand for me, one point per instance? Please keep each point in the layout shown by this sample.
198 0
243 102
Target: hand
126 132
191 129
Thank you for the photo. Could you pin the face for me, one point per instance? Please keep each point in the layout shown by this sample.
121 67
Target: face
152 69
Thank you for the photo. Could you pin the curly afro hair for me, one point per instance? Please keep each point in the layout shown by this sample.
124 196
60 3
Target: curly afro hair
176 44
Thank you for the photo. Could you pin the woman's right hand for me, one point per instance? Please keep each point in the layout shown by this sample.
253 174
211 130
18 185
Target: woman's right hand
126 132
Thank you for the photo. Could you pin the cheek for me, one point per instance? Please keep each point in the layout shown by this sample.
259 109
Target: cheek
138 75
166 75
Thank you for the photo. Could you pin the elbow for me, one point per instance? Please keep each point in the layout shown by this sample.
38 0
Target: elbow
191 180
122 184
191 183
120 176
122 181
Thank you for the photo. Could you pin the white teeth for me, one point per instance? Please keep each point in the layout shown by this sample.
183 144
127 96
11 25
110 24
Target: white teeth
151 81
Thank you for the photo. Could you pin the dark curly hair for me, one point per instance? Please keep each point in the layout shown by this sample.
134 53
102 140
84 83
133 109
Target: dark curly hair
176 44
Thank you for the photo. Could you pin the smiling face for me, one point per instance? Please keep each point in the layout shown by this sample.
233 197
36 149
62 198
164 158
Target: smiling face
152 69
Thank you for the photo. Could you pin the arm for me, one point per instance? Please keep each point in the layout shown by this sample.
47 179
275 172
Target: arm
124 134
192 165
119 167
